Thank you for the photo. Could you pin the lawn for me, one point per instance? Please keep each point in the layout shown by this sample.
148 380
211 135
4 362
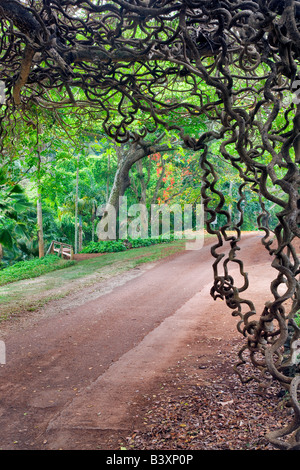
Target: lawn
32 268
25 289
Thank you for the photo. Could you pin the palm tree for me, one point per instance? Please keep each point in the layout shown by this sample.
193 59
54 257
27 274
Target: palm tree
13 207
81 207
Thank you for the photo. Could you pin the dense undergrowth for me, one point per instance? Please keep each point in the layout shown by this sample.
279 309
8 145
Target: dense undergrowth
109 246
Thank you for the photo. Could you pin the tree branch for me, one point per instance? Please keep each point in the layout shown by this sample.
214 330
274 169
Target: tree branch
23 74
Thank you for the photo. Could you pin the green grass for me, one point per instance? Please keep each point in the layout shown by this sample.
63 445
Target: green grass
32 268
33 292
124 260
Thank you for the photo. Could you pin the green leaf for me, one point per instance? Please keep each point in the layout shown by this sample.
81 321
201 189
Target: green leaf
5 238
17 189
20 229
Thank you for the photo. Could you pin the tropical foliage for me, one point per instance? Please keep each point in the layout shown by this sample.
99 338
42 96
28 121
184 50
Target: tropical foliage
63 164
75 173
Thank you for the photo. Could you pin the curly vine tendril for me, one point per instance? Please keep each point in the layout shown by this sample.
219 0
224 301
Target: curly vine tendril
267 336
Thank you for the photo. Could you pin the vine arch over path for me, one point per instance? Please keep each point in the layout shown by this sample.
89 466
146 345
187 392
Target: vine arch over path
233 62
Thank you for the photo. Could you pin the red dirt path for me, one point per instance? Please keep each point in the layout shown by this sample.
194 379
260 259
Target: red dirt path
75 378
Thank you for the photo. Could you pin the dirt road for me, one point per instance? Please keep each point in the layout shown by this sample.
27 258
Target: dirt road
76 369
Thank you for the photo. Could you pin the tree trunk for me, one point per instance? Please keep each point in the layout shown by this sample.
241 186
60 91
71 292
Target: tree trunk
107 180
76 207
40 223
80 234
134 152
93 221
142 198
39 200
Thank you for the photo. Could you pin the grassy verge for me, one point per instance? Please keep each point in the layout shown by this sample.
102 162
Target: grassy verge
109 246
31 294
32 268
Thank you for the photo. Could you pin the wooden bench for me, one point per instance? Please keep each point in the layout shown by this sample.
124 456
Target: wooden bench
63 250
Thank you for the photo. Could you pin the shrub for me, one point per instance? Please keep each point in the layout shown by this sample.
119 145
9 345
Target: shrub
108 246
105 246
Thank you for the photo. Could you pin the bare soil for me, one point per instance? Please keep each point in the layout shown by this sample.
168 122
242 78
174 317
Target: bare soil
86 371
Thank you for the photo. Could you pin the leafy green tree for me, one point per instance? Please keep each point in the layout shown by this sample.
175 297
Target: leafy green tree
13 217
